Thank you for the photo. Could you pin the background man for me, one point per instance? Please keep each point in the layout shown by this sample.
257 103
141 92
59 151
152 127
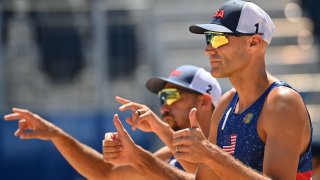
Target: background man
89 163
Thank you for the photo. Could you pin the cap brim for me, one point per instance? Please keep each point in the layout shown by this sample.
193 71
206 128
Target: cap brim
201 28
156 84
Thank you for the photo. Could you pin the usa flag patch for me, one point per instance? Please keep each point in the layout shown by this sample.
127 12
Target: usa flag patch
231 148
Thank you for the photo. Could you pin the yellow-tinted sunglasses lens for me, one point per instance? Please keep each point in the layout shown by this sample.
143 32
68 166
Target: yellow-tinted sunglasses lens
216 39
169 96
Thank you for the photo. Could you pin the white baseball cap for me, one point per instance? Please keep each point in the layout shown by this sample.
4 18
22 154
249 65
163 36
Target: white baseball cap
239 17
190 77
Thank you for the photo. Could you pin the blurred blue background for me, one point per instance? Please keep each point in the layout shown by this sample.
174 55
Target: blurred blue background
37 159
66 60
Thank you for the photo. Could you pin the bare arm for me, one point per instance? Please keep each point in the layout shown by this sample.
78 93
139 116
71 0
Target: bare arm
221 164
285 128
154 168
87 161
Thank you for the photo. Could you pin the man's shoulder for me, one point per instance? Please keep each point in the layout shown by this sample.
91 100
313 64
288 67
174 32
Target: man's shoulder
284 106
283 96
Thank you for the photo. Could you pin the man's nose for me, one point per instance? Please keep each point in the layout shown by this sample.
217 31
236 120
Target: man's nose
164 108
209 50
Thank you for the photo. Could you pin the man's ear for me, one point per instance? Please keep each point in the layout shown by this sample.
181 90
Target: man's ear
255 40
255 43
206 101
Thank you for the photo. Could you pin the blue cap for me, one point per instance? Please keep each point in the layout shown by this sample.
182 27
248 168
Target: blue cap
239 17
190 77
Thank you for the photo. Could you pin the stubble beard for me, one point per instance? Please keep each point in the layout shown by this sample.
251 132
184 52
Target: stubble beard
172 123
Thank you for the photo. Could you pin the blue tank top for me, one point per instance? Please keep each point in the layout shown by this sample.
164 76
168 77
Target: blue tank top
175 163
237 134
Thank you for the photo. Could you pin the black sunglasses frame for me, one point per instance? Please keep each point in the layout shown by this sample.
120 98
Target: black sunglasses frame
210 34
180 90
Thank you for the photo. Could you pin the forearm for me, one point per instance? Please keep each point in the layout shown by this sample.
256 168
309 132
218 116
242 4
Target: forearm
165 133
153 168
227 167
87 161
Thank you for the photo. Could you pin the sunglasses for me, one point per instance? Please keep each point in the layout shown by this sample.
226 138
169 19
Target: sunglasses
217 39
171 95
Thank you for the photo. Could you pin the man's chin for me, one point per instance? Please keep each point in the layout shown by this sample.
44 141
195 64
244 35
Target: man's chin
170 120
172 125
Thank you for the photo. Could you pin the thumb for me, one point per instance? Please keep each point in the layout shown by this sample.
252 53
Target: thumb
193 118
121 131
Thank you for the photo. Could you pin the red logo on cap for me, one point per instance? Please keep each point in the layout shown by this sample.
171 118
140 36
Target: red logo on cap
175 73
219 14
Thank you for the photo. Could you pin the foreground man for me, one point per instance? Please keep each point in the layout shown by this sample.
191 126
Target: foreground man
261 128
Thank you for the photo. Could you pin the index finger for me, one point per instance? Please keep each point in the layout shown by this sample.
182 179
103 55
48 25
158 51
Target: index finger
122 100
20 114
131 105
12 116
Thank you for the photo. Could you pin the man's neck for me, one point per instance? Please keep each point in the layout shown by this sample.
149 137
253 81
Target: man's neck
250 89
